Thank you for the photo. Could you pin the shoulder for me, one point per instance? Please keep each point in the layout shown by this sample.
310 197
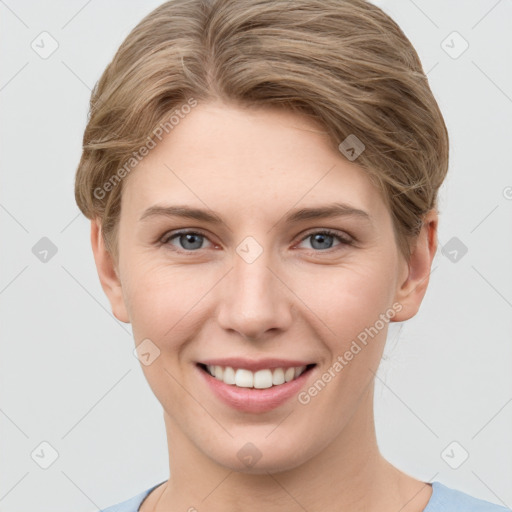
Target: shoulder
445 499
132 504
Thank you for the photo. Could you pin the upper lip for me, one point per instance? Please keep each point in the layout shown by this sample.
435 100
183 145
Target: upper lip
253 364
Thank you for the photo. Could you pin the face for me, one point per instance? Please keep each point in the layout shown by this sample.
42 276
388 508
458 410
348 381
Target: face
288 261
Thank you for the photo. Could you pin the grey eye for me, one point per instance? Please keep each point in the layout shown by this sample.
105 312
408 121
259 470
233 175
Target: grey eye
188 240
321 240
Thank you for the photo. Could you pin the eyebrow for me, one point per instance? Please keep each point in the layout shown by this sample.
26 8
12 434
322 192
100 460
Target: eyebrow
319 212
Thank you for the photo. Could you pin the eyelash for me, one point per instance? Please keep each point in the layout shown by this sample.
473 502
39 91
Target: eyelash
344 241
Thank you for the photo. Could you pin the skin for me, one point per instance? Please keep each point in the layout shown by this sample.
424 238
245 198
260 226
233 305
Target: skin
251 167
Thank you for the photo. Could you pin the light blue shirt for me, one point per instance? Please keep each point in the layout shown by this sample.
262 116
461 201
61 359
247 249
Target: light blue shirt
443 499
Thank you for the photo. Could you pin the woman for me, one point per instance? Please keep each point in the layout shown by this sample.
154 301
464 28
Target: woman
262 180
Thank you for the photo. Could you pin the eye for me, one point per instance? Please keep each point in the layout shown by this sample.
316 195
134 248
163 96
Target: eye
323 240
192 241
187 240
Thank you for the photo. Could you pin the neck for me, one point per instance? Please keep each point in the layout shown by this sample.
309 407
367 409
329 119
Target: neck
348 474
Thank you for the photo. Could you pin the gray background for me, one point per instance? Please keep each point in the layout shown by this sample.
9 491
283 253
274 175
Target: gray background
68 374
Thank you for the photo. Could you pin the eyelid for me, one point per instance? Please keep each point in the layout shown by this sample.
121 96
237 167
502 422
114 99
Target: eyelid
342 235
164 239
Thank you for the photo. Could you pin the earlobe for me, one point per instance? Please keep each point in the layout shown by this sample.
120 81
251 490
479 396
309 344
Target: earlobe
107 273
412 289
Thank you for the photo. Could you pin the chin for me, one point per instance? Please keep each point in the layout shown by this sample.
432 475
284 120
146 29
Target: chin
263 454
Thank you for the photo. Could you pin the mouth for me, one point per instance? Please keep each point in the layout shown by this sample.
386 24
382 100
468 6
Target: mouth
254 387
261 379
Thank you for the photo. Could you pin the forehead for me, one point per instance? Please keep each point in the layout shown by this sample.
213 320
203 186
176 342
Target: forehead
254 161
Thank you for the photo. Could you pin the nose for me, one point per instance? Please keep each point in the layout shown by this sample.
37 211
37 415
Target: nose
253 300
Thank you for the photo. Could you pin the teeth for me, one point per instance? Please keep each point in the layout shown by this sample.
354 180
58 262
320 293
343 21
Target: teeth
261 379
298 371
289 374
244 378
229 375
218 372
278 376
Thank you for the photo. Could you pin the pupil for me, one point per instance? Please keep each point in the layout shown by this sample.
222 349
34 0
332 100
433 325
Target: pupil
321 238
191 238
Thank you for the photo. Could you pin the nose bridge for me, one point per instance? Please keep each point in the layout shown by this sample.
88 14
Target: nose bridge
252 300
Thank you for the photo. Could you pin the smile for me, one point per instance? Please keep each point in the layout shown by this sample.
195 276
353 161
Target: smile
254 386
261 379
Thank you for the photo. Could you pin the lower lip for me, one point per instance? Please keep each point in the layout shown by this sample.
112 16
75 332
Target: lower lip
255 400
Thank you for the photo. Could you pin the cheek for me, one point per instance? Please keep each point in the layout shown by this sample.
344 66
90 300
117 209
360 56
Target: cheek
347 298
163 304
350 303
163 300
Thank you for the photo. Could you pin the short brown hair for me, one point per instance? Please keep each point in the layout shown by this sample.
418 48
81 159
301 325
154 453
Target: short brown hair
344 63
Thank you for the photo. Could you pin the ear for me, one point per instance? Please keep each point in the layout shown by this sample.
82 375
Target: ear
414 286
108 273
